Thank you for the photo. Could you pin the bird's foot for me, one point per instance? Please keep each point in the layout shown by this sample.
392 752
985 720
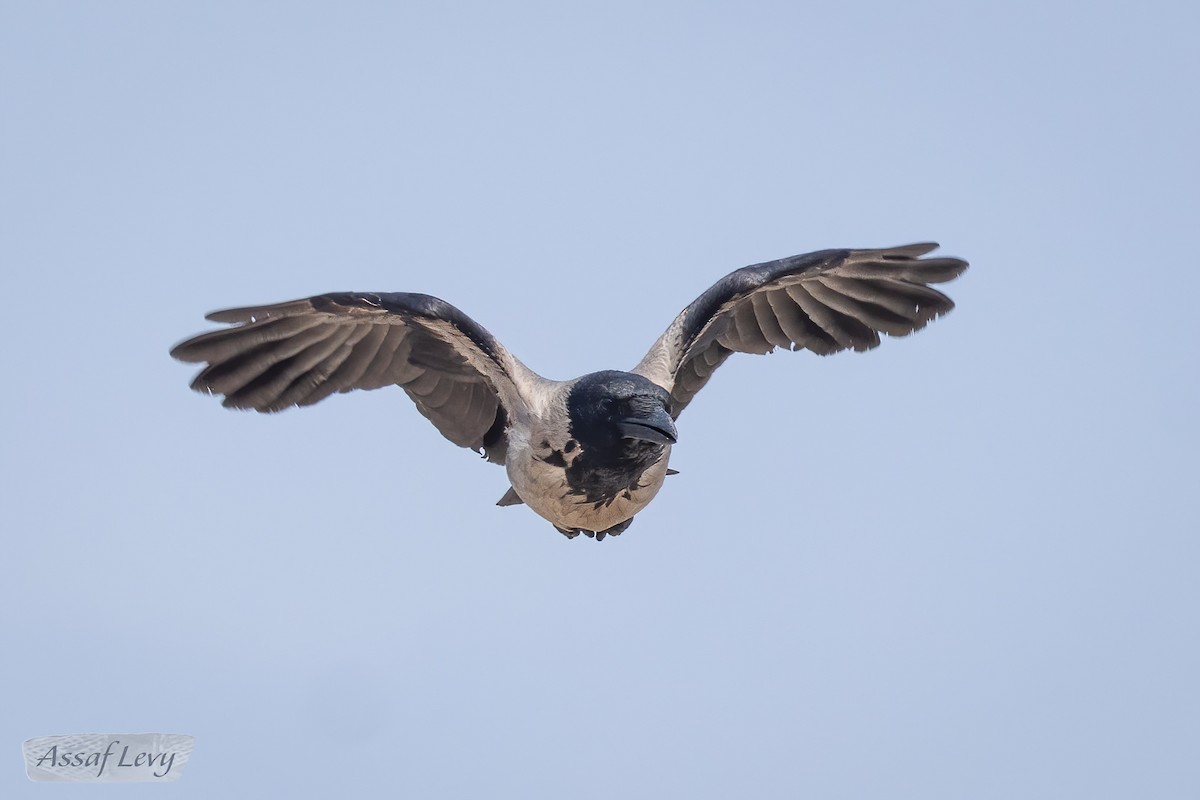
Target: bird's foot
615 530
570 533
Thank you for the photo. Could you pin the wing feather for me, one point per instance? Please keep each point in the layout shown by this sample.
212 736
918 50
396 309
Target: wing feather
303 386
839 329
351 371
300 352
800 330
393 350
768 322
825 302
226 376
893 316
744 335
265 390
224 344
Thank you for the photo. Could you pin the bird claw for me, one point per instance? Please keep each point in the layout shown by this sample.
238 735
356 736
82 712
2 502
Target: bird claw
615 530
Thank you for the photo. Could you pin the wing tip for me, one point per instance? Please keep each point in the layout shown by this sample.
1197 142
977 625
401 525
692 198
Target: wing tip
907 251
908 258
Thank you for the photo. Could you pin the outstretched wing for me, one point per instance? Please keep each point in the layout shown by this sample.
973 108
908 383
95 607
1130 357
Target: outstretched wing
297 353
827 301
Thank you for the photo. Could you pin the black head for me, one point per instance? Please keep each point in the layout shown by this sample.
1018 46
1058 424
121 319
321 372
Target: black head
618 410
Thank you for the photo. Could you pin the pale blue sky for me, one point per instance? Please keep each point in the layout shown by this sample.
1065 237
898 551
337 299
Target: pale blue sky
962 565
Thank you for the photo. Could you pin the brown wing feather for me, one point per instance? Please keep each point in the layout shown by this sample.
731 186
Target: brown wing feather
300 352
826 302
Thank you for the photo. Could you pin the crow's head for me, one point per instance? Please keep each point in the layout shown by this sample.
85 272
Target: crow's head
611 409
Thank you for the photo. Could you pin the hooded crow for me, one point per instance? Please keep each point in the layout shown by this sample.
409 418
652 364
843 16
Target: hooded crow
586 454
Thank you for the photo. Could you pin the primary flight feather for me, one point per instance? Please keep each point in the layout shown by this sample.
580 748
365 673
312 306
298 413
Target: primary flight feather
586 454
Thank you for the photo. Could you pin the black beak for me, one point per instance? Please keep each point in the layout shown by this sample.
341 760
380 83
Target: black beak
656 426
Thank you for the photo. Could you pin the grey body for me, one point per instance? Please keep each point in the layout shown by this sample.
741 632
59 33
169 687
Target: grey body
586 454
543 452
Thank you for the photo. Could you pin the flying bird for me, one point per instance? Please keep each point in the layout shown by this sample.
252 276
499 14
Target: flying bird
586 454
